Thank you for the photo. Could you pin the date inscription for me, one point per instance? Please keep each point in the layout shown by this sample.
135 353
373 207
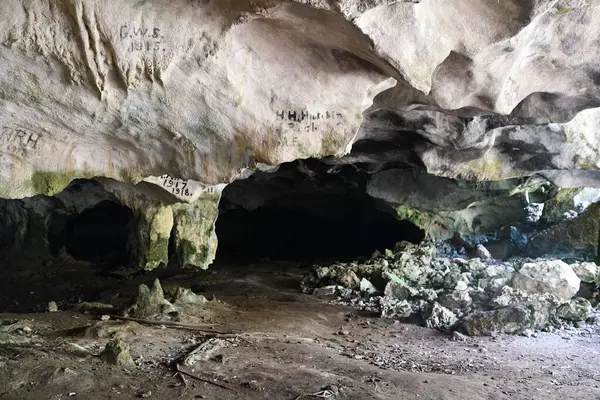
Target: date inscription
140 39
183 188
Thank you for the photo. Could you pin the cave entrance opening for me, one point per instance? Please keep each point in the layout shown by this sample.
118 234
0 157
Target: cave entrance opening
308 227
98 234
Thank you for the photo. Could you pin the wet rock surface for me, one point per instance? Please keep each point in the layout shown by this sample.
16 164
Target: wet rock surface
448 292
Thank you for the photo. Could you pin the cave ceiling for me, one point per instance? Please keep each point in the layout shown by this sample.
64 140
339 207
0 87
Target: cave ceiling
440 106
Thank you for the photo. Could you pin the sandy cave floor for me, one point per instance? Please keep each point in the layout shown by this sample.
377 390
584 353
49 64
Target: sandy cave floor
289 346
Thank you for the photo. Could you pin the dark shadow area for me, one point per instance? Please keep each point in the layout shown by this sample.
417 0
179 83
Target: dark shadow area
97 234
338 228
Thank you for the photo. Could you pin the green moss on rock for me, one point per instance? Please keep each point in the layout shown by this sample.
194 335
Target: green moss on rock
555 208
160 230
50 183
194 231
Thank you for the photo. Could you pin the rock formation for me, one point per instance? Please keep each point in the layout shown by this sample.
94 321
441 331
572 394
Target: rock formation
458 113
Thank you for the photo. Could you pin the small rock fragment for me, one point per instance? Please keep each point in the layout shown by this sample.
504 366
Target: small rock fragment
77 350
205 351
52 306
325 291
459 337
483 253
186 296
343 332
117 352
528 333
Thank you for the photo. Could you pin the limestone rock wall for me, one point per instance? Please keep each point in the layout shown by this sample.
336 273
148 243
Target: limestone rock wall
184 97
201 90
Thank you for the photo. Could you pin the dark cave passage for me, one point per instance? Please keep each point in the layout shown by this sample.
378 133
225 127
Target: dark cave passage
337 228
99 233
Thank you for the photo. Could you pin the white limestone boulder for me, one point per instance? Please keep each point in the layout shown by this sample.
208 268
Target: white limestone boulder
553 277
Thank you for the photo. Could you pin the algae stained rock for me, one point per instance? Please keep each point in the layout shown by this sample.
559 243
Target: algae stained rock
150 303
149 242
194 238
117 352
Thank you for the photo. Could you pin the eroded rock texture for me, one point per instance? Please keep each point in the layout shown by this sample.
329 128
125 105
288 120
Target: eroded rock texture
458 111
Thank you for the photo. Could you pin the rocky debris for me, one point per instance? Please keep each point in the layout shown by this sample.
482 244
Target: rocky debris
205 351
578 309
550 276
400 309
12 339
447 292
17 333
586 271
117 352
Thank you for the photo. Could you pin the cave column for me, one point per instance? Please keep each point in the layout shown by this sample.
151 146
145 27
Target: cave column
194 237
148 245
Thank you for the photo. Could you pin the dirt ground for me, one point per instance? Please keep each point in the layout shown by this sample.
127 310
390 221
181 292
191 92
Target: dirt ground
282 344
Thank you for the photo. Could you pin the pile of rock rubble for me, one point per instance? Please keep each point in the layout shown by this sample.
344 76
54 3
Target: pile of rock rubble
478 296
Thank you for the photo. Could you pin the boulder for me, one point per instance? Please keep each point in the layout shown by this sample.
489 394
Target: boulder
553 277
347 279
441 318
366 287
512 319
577 309
456 300
577 237
395 309
399 290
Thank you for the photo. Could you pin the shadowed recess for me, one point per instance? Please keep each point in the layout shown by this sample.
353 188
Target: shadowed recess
99 233
334 227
